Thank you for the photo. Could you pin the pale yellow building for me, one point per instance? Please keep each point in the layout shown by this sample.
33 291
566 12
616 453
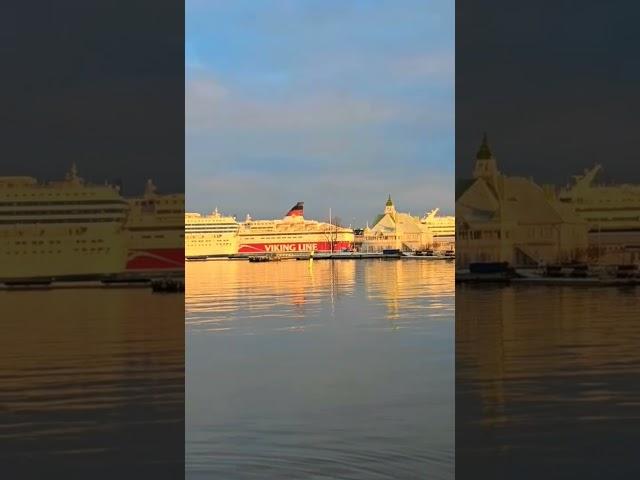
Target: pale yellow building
396 230
512 219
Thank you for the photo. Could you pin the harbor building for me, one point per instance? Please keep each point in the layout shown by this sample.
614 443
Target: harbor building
512 219
396 230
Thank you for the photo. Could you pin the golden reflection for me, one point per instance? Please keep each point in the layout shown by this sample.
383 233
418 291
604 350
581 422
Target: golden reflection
217 290
522 336
89 345
397 283
225 286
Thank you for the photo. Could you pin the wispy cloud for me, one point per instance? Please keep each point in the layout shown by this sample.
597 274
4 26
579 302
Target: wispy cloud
327 102
212 107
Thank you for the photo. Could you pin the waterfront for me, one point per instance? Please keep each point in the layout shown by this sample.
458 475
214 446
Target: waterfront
333 369
547 382
92 383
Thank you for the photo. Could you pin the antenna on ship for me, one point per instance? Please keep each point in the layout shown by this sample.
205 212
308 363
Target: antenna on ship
150 188
72 175
330 230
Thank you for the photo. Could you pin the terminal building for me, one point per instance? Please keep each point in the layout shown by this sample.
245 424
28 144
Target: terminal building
396 230
512 219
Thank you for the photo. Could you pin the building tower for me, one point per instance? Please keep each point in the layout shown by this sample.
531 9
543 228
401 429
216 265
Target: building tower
390 208
486 166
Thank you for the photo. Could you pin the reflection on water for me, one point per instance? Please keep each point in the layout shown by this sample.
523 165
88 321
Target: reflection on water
320 370
91 382
547 382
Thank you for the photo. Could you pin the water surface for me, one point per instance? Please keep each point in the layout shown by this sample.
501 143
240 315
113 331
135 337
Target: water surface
91 384
323 370
547 382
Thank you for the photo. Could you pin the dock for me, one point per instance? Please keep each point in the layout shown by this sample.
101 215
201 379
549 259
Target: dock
268 257
557 275
168 282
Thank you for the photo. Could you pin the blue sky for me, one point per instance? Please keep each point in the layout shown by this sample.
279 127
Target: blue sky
334 103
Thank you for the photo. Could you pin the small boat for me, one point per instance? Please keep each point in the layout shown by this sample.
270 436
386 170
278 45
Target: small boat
264 258
167 285
627 271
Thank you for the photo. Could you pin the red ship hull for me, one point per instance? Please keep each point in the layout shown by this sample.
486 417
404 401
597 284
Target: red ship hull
156 259
294 247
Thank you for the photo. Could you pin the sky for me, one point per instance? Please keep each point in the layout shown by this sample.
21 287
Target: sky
99 84
333 103
555 88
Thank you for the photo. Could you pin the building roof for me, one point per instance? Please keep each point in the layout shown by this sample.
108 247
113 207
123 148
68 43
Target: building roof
512 200
462 185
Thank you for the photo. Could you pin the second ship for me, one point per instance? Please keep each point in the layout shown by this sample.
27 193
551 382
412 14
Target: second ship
216 235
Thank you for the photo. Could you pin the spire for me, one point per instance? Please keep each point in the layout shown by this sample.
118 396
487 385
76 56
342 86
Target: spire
484 152
389 202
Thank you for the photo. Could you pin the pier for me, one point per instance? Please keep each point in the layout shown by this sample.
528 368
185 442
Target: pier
580 275
389 255
166 282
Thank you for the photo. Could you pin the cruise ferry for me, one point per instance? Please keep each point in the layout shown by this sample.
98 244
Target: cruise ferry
213 235
292 234
60 230
155 233
440 227
606 208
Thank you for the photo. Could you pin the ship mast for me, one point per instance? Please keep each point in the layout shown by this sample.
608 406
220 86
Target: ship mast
330 230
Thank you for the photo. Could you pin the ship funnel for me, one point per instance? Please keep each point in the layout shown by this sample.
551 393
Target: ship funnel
297 210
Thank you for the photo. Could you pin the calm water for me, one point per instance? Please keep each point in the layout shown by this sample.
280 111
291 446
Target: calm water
91 383
330 370
547 382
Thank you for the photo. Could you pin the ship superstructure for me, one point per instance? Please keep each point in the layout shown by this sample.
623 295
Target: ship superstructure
210 235
293 234
155 232
440 227
59 230
606 208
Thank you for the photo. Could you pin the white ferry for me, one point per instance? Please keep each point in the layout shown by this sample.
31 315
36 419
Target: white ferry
60 230
155 233
213 235
606 208
293 234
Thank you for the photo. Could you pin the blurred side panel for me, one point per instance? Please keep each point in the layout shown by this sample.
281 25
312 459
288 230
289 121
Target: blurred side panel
92 239
548 239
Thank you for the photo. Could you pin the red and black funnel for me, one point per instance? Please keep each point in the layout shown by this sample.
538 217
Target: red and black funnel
297 210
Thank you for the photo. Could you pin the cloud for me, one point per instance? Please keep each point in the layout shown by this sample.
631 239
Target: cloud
333 103
212 107
439 66
354 199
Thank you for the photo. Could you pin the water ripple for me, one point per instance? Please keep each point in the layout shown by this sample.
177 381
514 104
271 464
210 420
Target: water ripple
338 370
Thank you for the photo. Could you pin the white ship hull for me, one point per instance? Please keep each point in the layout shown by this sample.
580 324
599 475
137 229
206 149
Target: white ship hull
59 252
212 235
60 230
210 245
